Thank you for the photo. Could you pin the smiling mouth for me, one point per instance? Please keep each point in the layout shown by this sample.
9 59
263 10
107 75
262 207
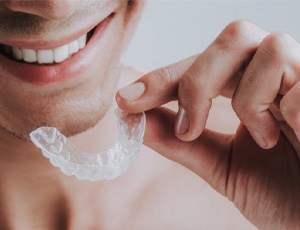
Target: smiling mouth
46 56
42 63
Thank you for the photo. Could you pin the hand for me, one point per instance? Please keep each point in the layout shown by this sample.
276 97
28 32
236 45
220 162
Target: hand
257 168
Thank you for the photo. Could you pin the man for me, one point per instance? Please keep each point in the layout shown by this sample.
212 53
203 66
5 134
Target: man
60 67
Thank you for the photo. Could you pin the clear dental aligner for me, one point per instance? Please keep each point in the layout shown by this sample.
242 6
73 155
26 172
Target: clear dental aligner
101 166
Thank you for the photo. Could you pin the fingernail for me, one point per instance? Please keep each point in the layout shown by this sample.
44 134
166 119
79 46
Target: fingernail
183 122
259 139
133 91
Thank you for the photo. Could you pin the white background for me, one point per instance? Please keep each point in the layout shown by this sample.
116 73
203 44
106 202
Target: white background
172 30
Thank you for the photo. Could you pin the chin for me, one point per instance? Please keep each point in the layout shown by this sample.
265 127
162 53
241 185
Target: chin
74 94
71 110
70 117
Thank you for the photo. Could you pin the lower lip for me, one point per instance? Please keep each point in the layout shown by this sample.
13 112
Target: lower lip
70 68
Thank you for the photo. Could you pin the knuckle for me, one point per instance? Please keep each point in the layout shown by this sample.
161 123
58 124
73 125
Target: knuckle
236 32
163 77
276 45
239 27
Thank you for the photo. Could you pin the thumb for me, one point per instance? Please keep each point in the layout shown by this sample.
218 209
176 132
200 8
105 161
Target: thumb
208 156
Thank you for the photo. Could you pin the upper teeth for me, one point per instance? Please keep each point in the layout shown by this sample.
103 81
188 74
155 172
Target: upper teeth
48 56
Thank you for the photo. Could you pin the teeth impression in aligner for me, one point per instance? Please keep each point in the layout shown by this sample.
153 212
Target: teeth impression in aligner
101 166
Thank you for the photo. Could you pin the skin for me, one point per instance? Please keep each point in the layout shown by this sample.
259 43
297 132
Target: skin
257 167
21 99
153 193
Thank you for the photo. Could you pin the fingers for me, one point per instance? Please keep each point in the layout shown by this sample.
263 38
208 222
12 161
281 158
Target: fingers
196 81
213 73
153 89
207 156
269 73
290 109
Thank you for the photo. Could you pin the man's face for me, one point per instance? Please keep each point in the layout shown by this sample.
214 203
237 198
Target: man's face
44 79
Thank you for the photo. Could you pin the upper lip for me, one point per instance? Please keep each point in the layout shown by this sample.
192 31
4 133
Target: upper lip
51 44
70 68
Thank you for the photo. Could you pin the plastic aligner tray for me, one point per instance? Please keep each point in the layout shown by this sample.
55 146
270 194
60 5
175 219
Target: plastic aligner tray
101 166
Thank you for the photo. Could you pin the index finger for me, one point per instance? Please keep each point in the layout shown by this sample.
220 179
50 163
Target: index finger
153 89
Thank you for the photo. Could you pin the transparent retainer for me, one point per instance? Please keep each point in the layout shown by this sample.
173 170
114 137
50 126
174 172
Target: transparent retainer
101 166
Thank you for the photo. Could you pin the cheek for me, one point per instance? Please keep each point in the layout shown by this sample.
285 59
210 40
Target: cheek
72 110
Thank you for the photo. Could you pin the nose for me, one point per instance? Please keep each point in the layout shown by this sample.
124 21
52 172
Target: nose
49 9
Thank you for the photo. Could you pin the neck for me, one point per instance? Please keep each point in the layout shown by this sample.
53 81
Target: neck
29 183
35 195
